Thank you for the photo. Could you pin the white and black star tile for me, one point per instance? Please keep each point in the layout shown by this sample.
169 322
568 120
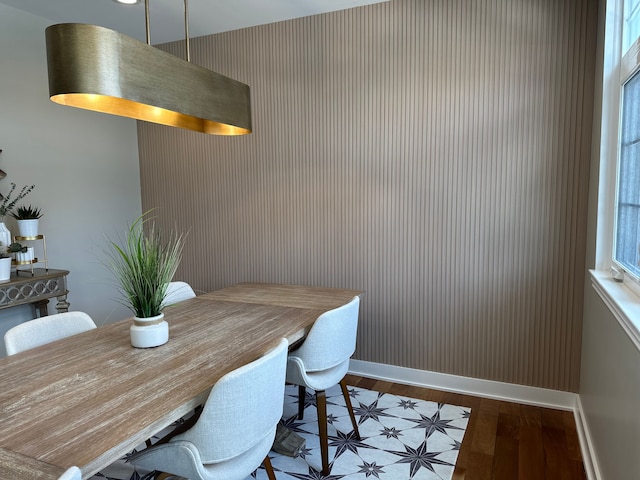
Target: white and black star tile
401 438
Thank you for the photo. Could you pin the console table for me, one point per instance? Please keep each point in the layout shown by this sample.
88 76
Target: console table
36 289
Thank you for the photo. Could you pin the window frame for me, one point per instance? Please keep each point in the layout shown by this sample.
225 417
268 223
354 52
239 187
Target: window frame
617 70
621 293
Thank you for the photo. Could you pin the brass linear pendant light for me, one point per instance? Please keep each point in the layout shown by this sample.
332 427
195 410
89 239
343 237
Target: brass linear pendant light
99 69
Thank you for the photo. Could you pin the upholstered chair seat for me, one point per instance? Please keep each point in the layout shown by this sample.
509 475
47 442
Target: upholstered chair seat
322 361
235 430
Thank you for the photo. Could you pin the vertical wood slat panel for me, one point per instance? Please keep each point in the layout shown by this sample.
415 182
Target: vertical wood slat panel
433 153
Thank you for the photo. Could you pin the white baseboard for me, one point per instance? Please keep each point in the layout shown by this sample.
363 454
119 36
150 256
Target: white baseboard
490 389
586 444
471 386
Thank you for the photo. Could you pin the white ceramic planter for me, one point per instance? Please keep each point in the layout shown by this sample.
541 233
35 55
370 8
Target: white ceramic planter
5 269
149 332
27 256
28 228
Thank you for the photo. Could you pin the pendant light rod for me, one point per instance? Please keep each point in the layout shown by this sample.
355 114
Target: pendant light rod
146 21
186 26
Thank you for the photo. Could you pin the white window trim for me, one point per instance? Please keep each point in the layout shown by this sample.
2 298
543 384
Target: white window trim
610 113
622 298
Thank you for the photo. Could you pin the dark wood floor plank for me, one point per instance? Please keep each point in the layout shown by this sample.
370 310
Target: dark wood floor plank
400 390
530 453
464 454
471 401
490 405
571 434
552 418
459 474
367 383
484 437
453 398
531 415
510 408
382 386
480 467
555 451
508 425
505 459
576 470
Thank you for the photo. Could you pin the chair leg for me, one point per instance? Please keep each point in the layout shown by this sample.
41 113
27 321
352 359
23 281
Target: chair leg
347 401
301 397
321 404
267 466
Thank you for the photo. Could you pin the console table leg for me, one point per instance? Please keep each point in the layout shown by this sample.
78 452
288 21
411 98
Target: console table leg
41 308
62 305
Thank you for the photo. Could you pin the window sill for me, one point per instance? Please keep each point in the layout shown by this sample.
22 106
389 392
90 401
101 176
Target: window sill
623 303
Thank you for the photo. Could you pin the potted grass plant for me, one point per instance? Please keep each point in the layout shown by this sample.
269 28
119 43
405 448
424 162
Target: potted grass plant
144 263
27 218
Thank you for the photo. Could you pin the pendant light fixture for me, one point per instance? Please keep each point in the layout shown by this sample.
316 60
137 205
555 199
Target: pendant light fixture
99 69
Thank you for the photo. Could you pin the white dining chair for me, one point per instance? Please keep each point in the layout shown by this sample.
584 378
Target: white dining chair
235 430
73 473
177 292
47 329
322 361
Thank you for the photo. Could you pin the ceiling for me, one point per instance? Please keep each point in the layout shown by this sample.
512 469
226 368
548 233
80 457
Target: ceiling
167 16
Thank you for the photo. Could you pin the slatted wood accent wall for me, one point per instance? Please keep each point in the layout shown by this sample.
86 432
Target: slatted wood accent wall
434 153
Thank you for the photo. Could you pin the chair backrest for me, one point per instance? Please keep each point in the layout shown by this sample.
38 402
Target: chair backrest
177 292
44 330
73 473
332 338
243 407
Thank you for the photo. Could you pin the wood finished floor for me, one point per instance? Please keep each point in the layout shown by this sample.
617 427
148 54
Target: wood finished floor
504 440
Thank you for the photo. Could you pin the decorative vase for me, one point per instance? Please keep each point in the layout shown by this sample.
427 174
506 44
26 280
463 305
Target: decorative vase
5 235
5 269
149 332
28 228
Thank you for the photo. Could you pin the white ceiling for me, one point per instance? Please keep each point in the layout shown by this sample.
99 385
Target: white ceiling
167 16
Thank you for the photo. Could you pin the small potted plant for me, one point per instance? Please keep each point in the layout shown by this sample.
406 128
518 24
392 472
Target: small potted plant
27 218
144 263
21 253
6 206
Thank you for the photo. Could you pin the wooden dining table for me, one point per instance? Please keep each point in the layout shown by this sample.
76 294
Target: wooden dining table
89 399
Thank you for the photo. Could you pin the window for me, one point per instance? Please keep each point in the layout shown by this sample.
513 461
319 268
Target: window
627 228
631 27
628 204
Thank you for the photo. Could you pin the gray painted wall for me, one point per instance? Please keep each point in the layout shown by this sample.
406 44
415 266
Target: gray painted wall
610 390
84 165
610 378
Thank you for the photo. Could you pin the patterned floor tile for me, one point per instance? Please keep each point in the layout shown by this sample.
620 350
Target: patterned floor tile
401 439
